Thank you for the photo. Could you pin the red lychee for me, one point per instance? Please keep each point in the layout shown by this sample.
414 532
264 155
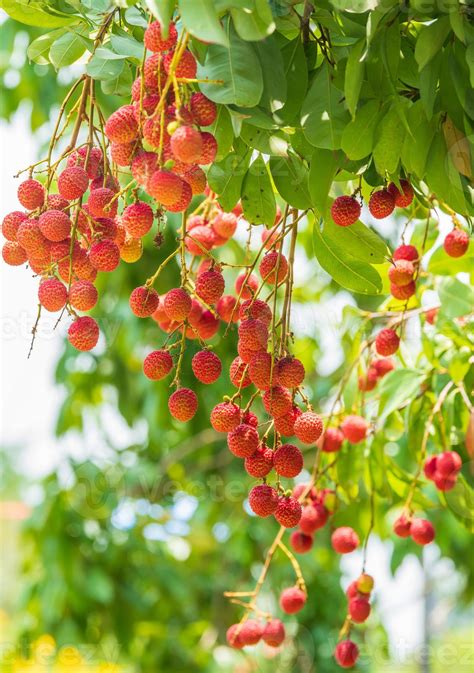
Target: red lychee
290 372
313 518
101 203
225 224
83 295
144 301
209 149
73 183
210 286
274 633
359 610
288 511
186 68
387 342
239 374
403 292
83 333
186 144
403 198
137 219
402 526
346 653
256 308
344 540
308 427
260 463
407 252
456 243
105 255
288 461
243 441
354 428
122 125
183 404
177 304
246 287
31 194
273 265
225 417
253 334
292 600
10 224
13 254
277 401
263 500
157 365
422 531
154 39
55 225
383 366
260 370
300 542
345 210
285 425
203 110
206 366
233 637
166 187
381 204
52 294
401 272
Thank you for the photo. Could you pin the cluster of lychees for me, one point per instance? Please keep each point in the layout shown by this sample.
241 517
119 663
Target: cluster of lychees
443 469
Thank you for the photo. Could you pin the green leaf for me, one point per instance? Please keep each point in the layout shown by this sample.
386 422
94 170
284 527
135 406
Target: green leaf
390 134
237 67
349 272
201 20
290 176
257 197
460 501
296 76
443 265
470 62
323 116
255 22
126 45
457 299
358 137
430 40
396 388
225 178
267 142
163 11
38 50
363 243
105 64
66 50
274 80
354 76
324 165
223 132
390 45
429 77
24 12
119 85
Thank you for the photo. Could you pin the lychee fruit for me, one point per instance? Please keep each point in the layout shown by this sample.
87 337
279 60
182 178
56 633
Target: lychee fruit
250 632
31 194
225 224
448 463
381 204
359 610
186 144
144 301
383 366
243 441
387 342
260 370
292 600
277 401
308 427
83 295
137 219
422 531
456 243
313 518
157 365
177 304
245 287
260 463
209 149
253 334
210 286
346 653
206 366
290 372
401 272
354 428
225 417
122 125
199 240
288 511
204 111
288 461
55 225
73 183
183 404
186 68
274 633
238 373
263 500
403 292
256 308
345 210
154 39
83 333
165 187
300 542
285 425
402 526
104 255
89 159
403 198
344 540
13 254
52 294
273 265
10 224
407 252
101 203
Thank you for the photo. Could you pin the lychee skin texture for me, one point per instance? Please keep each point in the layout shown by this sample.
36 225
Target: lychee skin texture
403 198
177 304
277 401
313 518
101 203
403 292
260 463
209 149
448 463
94 159
456 243
402 526
197 180
256 308
260 370
407 252
157 365
83 333
422 531
245 287
290 372
250 632
83 295
55 225
10 224
186 144
346 653
186 68
354 428
308 427
288 512
381 204
359 610
199 240
273 266
253 334
144 301
183 404
288 461
344 540
233 637
238 373
210 286
31 194
332 441
263 500
73 183
166 187
225 417
345 210
154 40
13 254
300 542
401 272
206 366
122 125
274 633
204 111
137 219
292 600
383 366
285 425
52 294
387 342
105 255
243 441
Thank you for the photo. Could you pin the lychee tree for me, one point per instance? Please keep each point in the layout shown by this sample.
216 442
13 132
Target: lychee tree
231 152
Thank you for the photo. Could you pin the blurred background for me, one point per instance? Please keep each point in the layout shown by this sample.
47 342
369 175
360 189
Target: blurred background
120 530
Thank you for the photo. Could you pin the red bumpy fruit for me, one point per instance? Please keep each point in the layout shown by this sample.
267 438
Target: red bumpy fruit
204 111
144 301
274 633
290 372
31 194
225 417
206 366
263 500
52 294
83 295
157 365
345 210
183 404
288 461
154 39
344 540
308 427
381 204
73 183
137 219
292 600
186 144
210 286
403 198
387 342
354 428
122 125
288 511
456 243
346 653
243 440
422 531
83 333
